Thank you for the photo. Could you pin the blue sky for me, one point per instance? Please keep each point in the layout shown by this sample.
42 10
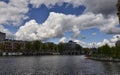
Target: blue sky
33 19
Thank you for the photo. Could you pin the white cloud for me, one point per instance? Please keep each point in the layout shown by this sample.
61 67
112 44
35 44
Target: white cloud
113 30
28 32
13 12
76 31
93 34
110 42
110 26
105 7
115 38
57 24
99 14
63 39
83 44
96 6
51 3
95 44
9 35
104 42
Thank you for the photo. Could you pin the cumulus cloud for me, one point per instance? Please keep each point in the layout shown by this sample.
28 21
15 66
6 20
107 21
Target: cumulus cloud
15 10
83 44
110 27
105 7
95 44
57 24
76 31
28 32
93 34
96 6
99 14
110 42
113 30
104 42
51 3
115 38
13 13
63 39
9 35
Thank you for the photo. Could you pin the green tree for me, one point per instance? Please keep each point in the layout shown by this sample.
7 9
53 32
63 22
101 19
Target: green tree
60 47
28 45
36 45
51 47
2 47
78 47
18 46
104 50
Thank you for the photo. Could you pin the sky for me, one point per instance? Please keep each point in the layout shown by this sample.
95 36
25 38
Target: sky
87 22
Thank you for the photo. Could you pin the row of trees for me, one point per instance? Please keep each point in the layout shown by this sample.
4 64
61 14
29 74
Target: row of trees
39 47
107 51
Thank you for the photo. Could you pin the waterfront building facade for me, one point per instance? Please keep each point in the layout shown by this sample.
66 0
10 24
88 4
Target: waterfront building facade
12 45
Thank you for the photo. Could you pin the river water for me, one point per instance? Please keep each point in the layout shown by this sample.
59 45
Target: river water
56 65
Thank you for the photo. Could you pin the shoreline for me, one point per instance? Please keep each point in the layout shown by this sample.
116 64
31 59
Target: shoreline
103 59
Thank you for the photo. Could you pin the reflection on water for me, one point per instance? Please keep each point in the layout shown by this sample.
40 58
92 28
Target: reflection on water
56 65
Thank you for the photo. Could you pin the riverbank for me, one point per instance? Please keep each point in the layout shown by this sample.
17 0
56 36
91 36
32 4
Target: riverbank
104 59
37 53
28 54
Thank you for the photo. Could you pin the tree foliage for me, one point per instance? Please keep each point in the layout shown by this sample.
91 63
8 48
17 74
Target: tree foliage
107 51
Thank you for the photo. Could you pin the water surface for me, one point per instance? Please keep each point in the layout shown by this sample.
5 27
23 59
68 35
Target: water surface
56 65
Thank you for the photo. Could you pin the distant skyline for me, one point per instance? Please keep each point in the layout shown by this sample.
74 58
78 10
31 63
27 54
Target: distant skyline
86 22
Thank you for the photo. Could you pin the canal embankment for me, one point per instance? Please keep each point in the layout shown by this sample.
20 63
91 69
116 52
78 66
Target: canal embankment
104 59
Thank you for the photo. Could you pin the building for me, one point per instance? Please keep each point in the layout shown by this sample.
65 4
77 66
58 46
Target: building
13 45
118 43
70 48
2 36
71 45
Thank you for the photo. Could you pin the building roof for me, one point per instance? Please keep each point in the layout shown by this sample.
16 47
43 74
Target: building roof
118 41
2 33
